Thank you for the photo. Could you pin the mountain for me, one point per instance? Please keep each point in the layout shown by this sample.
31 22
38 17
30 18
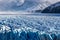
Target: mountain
54 8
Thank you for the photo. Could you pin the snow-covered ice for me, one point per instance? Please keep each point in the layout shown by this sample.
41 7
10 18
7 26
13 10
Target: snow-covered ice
41 23
23 27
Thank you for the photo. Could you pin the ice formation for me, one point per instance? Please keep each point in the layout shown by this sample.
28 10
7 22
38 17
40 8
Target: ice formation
29 27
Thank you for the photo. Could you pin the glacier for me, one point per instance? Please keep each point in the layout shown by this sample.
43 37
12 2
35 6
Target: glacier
18 20
25 27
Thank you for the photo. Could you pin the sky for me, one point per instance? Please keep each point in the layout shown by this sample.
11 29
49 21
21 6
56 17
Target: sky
25 4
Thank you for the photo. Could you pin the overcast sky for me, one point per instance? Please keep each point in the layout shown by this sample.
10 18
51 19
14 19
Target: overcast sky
6 4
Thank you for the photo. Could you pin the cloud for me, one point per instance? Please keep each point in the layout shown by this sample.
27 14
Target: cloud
24 4
8 4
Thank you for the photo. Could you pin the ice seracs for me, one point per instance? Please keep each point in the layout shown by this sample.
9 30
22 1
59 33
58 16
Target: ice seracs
4 29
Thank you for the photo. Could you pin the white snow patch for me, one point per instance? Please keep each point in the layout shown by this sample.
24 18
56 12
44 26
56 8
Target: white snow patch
4 29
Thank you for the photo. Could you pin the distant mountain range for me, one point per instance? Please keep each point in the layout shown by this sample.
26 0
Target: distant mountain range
54 8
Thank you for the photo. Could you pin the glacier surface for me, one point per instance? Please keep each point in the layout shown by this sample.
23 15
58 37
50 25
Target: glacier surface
21 27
